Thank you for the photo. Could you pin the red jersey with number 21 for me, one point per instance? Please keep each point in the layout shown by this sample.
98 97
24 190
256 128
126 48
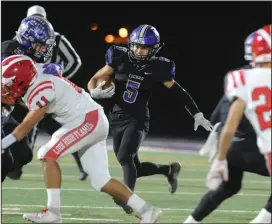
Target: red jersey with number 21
254 87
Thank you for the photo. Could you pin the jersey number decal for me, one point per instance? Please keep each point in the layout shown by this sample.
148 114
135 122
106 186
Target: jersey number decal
39 104
264 109
132 91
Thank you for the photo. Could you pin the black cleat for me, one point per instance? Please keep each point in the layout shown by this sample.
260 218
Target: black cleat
173 177
83 175
128 210
15 175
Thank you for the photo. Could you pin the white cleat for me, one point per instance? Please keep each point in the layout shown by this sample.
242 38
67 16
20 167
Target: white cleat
46 216
151 215
191 219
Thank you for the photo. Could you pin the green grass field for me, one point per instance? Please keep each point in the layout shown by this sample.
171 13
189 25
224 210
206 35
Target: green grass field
80 204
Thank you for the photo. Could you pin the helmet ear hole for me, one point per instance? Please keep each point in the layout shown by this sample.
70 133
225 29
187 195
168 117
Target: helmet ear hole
21 83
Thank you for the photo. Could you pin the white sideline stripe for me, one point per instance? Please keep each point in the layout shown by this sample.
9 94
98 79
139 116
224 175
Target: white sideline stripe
115 208
157 179
141 192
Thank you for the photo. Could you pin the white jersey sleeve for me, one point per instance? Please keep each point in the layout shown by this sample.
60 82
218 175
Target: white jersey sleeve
40 96
235 86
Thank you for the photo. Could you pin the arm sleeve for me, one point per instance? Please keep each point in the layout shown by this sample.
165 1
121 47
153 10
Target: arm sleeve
185 98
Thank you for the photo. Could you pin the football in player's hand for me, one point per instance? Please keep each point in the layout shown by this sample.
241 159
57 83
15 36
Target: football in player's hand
109 82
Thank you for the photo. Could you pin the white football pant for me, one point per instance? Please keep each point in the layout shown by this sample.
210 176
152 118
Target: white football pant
87 135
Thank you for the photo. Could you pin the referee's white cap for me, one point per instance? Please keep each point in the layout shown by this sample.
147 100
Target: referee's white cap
36 10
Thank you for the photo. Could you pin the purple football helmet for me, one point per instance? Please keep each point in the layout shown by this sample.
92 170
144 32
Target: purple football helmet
36 34
248 47
145 36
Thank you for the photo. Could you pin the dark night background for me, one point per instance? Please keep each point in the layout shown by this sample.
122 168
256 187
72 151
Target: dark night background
205 39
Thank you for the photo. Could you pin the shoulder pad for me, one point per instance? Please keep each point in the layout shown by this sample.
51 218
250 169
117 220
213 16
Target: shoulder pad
164 59
10 47
234 85
165 67
114 54
119 48
41 95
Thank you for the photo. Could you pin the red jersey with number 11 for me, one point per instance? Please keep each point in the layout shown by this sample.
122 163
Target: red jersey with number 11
66 100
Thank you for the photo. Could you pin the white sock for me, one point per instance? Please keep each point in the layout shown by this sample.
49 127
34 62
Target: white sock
137 204
263 217
191 219
53 195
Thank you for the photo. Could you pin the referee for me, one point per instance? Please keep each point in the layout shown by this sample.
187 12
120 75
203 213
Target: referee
63 53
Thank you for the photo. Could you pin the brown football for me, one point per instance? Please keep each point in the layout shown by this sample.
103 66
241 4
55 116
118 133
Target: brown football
108 80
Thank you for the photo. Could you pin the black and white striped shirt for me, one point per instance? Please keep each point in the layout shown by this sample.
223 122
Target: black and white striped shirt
65 55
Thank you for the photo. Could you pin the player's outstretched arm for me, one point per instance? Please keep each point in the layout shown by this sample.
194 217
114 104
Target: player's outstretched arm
31 119
189 104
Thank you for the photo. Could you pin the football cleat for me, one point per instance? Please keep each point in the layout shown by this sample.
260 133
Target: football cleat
173 177
47 215
151 215
82 176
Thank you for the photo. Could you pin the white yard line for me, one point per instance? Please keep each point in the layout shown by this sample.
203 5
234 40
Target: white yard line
141 192
156 179
11 209
90 219
21 213
71 218
66 164
115 208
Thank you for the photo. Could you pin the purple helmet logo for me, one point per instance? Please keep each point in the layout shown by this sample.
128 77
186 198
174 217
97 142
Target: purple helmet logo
35 30
146 36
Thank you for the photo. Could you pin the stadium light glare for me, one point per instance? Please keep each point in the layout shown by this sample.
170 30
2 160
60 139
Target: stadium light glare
123 32
109 38
94 27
